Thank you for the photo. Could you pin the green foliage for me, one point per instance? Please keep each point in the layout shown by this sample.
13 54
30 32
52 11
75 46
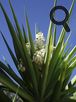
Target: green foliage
38 83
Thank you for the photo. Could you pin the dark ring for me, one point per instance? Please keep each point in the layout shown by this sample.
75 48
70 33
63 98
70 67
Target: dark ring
59 22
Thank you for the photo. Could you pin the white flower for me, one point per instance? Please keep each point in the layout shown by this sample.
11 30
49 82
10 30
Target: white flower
40 36
38 57
39 41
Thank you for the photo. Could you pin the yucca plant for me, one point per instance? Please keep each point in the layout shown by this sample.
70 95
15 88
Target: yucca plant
45 66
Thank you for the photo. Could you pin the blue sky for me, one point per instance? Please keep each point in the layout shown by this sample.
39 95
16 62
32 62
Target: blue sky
38 13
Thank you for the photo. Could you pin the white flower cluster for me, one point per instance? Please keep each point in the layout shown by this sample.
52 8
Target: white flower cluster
39 41
39 44
38 57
